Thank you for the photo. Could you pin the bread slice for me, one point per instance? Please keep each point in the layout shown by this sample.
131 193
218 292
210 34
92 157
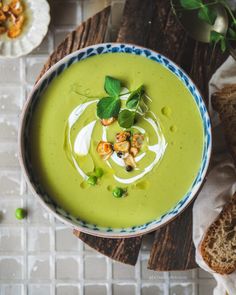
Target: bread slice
224 102
218 247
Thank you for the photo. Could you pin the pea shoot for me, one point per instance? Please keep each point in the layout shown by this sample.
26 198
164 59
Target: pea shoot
110 106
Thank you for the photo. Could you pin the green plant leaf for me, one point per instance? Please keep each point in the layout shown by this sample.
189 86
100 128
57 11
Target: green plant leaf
223 44
126 118
207 14
232 34
215 37
108 107
134 98
233 25
112 86
191 4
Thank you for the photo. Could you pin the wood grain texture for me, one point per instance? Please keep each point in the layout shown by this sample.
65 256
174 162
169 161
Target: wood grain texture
123 250
173 247
156 27
91 32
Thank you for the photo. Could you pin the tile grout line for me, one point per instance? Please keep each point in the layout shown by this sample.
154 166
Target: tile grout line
138 268
196 280
167 275
81 266
109 275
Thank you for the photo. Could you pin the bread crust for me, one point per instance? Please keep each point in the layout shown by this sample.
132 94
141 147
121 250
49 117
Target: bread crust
223 227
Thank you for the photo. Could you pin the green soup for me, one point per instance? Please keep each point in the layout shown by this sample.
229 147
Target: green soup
168 162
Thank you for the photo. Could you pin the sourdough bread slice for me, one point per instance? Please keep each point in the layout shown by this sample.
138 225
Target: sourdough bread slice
218 247
224 102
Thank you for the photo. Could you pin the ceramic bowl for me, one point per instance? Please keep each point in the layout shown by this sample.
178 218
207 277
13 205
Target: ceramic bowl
35 29
24 139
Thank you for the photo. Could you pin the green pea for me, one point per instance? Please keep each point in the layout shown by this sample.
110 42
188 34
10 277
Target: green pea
118 192
20 213
92 180
98 172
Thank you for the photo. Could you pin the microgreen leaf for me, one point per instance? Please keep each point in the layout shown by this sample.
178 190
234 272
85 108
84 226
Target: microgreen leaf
112 86
191 4
207 14
126 118
135 98
108 107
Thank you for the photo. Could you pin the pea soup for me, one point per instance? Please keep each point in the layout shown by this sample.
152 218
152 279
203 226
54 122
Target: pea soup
116 140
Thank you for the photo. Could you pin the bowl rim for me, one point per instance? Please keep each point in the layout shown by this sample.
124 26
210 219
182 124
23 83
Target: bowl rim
101 233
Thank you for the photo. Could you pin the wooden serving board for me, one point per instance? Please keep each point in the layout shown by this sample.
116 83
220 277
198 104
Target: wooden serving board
149 23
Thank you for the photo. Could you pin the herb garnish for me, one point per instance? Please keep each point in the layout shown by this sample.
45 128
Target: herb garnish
108 107
126 118
112 86
135 97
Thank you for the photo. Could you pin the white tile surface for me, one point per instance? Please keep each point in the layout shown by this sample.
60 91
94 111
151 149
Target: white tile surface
39 289
12 289
11 98
67 267
11 70
65 240
155 290
33 68
123 272
39 239
39 255
11 268
10 183
67 289
95 289
11 239
123 289
95 267
39 268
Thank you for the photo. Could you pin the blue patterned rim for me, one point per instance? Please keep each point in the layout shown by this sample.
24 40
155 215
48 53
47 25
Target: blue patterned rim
58 68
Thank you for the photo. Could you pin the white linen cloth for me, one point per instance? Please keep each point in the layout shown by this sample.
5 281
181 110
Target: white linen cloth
220 184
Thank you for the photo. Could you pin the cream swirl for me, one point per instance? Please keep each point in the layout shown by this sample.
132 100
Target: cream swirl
82 143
